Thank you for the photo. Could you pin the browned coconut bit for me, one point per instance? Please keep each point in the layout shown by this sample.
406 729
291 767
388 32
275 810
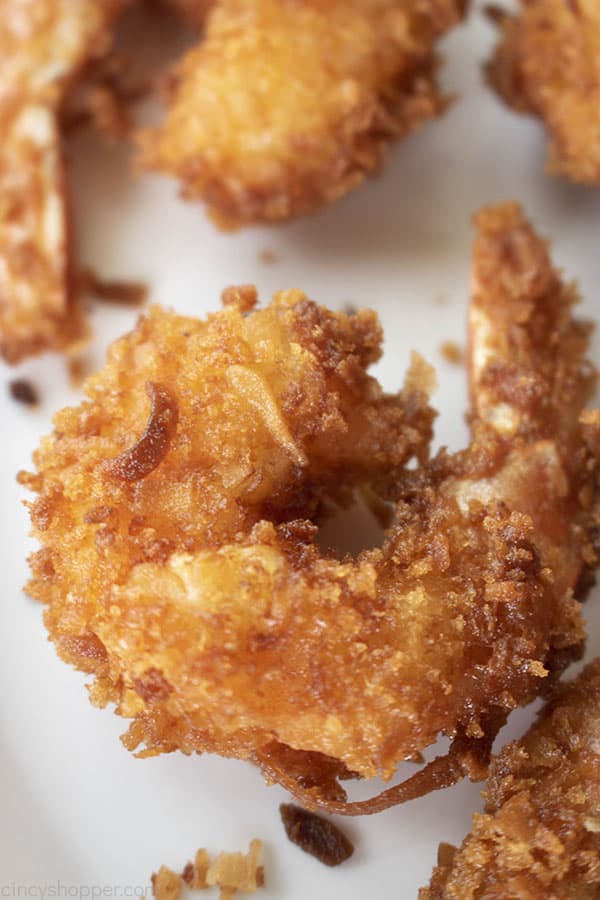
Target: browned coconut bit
152 447
268 257
243 296
195 872
315 835
24 392
452 352
123 293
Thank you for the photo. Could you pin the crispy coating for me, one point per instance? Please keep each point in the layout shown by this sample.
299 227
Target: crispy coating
540 836
548 64
286 106
196 594
43 46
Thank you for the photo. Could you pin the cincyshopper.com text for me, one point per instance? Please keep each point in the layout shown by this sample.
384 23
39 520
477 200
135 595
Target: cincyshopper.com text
58 890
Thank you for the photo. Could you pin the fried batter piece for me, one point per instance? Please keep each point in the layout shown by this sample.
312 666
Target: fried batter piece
178 561
540 836
286 106
43 46
548 64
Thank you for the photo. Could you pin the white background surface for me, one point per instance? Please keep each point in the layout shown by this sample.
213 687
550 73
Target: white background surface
76 808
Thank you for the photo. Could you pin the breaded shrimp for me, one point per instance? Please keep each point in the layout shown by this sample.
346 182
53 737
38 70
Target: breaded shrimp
178 561
540 836
548 64
286 106
43 45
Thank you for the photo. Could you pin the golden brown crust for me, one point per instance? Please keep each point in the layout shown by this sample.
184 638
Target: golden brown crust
42 48
197 596
548 63
284 107
540 837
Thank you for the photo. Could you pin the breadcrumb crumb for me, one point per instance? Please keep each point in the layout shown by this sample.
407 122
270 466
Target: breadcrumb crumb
23 391
452 352
268 257
166 884
124 293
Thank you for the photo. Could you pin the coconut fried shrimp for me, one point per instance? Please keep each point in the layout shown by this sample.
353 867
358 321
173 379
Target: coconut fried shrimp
548 64
284 107
540 836
176 511
43 45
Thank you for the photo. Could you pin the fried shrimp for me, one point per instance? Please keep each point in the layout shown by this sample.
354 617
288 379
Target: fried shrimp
540 836
548 64
43 46
286 106
194 591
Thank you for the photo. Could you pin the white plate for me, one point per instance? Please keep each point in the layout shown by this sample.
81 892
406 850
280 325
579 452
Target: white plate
79 814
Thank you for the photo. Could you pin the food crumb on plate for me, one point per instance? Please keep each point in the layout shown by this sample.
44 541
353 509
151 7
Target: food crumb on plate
452 352
166 884
316 835
121 292
231 872
268 257
23 391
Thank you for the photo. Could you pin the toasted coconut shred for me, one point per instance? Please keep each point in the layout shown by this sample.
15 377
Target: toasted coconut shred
23 391
117 291
149 451
315 835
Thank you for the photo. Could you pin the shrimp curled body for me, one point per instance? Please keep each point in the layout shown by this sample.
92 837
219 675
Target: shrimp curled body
243 131
44 46
197 596
540 835
282 144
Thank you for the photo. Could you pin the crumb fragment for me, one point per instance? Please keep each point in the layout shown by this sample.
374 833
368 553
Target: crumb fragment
315 835
452 352
231 872
237 871
194 873
79 367
416 758
23 391
166 884
244 296
268 257
123 293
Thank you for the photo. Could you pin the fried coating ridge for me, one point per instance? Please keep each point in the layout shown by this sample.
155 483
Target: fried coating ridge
43 46
540 835
284 107
197 596
548 64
